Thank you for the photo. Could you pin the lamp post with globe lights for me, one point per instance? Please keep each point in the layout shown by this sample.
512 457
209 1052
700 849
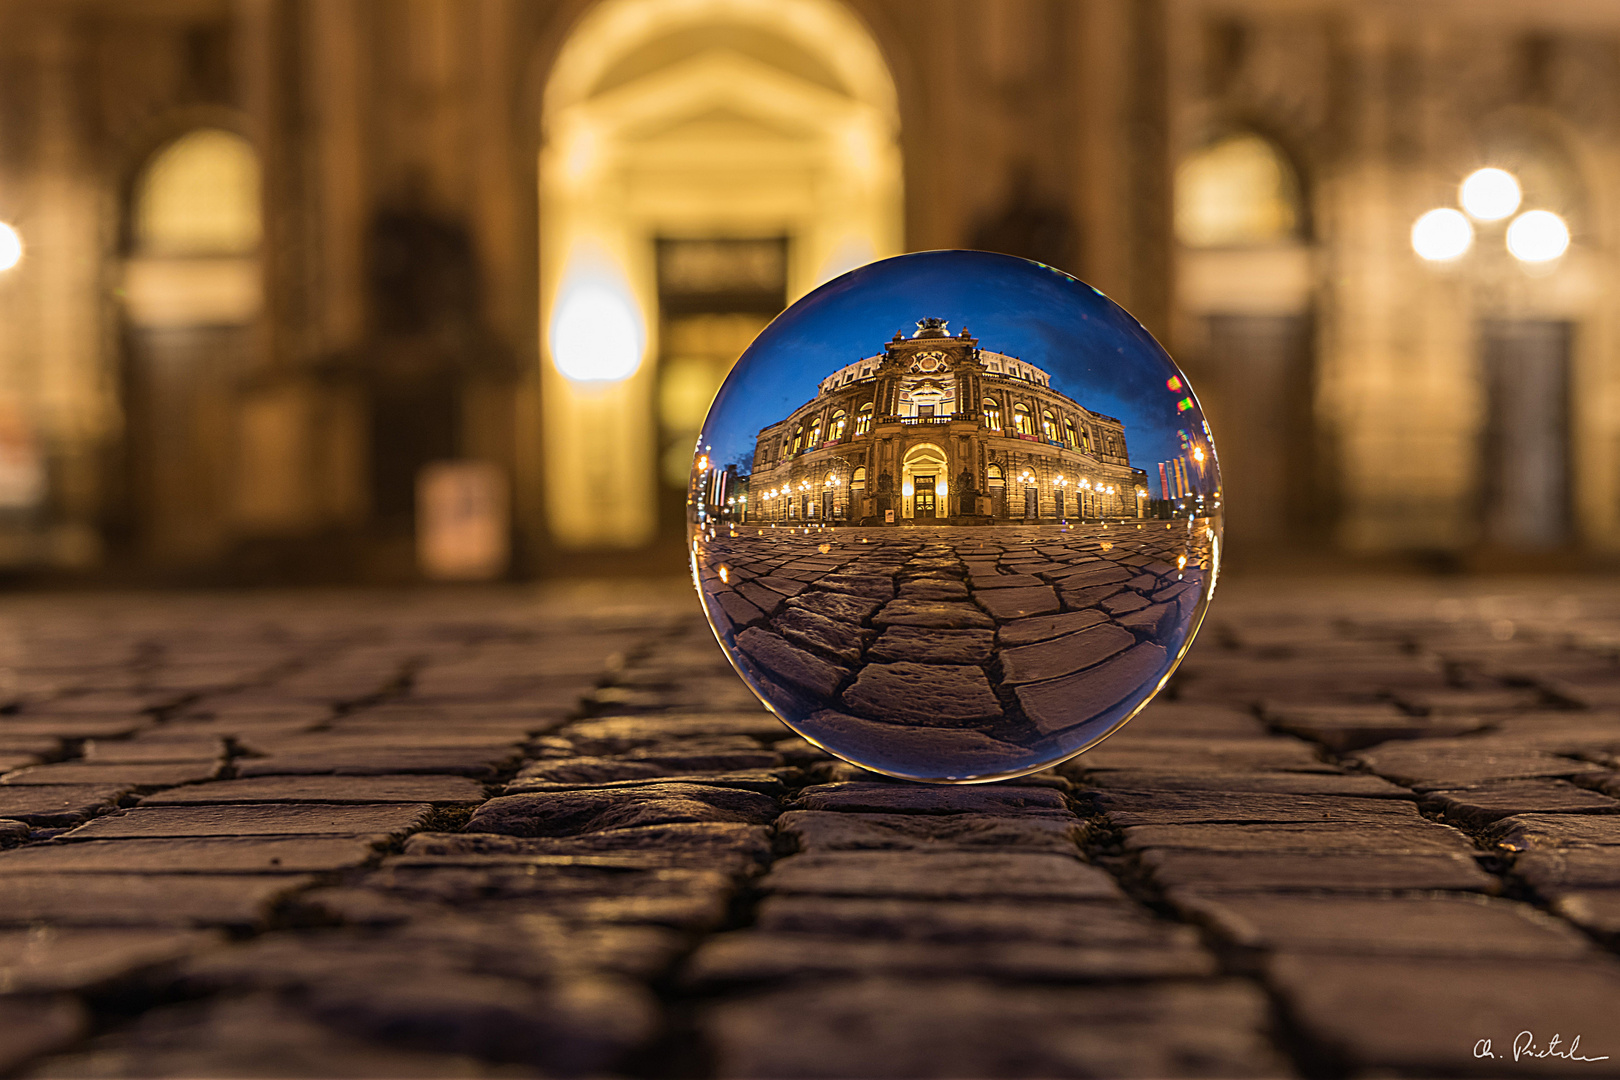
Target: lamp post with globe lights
1488 197
1493 245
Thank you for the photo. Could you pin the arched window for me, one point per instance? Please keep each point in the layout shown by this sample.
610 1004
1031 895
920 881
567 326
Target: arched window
1023 424
995 478
857 480
840 420
992 414
195 232
787 447
1068 431
863 419
1048 426
200 196
815 435
798 438
1239 191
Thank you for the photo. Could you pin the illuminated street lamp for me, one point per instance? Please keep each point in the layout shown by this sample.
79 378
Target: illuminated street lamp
1489 195
1537 236
1442 235
11 247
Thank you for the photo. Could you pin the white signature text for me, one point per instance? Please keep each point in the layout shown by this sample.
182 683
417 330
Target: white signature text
1525 1046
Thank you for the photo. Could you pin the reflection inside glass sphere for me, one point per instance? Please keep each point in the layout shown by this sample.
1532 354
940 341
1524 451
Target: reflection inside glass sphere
951 555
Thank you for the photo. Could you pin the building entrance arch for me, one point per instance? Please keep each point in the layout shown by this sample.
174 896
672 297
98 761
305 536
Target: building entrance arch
694 151
925 463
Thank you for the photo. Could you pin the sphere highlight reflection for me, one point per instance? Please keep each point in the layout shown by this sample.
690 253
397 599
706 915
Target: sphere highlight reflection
921 544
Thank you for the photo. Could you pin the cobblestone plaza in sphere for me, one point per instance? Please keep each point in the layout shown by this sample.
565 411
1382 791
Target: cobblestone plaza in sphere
939 651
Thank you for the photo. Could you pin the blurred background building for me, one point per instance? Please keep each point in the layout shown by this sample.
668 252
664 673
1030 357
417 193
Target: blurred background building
362 290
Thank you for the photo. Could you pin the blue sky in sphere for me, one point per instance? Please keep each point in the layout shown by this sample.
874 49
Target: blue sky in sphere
1095 353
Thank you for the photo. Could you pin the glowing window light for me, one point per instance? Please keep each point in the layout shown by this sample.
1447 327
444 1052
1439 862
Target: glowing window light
1490 194
200 196
1441 235
11 248
1537 236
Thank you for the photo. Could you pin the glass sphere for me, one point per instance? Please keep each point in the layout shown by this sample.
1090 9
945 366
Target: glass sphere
955 516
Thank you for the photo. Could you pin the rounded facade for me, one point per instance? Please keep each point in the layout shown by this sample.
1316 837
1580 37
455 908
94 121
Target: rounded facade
936 428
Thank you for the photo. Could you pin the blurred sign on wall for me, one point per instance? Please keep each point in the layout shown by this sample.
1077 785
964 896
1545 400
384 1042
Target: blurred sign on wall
463 521
22 470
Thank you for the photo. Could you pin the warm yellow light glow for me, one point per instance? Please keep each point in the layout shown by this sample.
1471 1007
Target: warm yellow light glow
851 252
1238 192
725 574
11 247
1442 235
596 333
1198 453
692 118
200 196
1490 194
1537 236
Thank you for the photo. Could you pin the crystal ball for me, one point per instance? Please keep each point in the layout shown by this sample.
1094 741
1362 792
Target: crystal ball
955 516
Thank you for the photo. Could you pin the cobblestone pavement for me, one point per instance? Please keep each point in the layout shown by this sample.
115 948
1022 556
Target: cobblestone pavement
948 652
1370 827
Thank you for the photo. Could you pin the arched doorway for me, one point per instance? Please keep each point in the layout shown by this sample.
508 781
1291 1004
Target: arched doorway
704 162
924 488
192 290
1244 287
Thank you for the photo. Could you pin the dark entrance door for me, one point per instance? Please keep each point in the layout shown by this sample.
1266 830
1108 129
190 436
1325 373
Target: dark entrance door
714 295
1057 503
1256 384
924 487
1525 459
179 384
826 505
1032 504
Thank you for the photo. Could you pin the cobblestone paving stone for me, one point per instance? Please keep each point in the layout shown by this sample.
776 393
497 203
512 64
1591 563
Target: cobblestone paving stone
505 833
867 634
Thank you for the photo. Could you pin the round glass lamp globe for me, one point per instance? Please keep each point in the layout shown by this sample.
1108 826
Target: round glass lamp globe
1490 194
1537 236
955 516
1442 235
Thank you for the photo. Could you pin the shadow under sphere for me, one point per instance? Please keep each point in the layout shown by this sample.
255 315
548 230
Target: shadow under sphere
955 554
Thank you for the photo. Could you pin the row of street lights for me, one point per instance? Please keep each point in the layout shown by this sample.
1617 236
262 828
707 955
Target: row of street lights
1490 195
